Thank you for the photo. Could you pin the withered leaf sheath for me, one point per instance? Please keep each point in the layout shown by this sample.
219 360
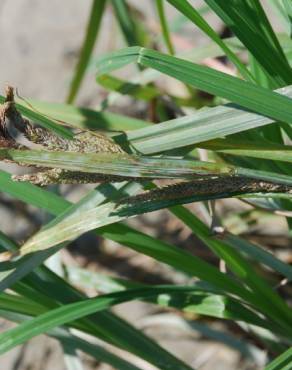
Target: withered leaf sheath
6 140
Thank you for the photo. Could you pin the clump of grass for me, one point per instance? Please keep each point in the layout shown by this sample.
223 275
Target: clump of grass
247 138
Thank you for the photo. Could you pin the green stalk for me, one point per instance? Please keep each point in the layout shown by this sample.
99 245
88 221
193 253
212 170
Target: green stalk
164 27
93 26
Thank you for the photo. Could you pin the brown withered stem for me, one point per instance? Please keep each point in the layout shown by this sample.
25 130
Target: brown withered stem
9 94
6 140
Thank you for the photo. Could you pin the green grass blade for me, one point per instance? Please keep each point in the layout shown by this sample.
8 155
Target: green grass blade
204 125
243 93
200 301
264 175
96 13
155 248
137 241
204 273
70 312
203 301
137 90
14 272
259 254
21 304
117 164
269 151
95 217
170 255
164 26
128 88
198 55
249 23
260 75
31 194
130 166
86 218
288 8
141 243
71 358
200 127
126 22
104 324
93 350
272 304
85 118
73 311
190 12
276 154
62 335
281 13
282 362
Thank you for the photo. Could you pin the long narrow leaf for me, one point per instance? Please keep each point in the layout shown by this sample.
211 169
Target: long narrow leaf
85 118
185 8
247 95
250 24
104 325
139 242
73 311
31 194
259 254
94 350
202 126
164 26
117 164
94 22
201 301
133 167
125 21
282 362
272 305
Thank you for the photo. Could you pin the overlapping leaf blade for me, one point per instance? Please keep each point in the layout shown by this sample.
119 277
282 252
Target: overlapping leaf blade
243 93
104 324
248 21
190 12
204 125
73 311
